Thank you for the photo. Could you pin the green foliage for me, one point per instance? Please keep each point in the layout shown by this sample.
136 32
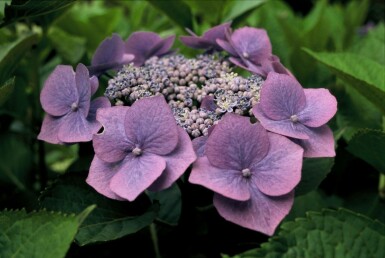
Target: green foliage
360 72
328 233
170 204
369 145
6 90
314 170
110 220
37 234
235 10
25 9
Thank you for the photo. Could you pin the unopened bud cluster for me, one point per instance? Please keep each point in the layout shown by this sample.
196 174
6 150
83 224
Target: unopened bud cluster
184 83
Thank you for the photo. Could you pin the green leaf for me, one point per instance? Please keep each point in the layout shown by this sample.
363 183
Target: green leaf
371 47
235 9
71 48
110 220
38 234
6 90
11 53
314 170
170 204
369 145
329 233
15 160
25 9
365 75
178 11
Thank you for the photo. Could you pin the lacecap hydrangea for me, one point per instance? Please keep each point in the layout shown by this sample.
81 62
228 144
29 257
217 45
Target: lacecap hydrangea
244 138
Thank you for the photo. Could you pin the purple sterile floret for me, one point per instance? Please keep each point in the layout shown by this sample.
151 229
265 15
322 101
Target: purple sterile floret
143 45
140 148
109 55
208 39
288 109
248 46
66 98
252 172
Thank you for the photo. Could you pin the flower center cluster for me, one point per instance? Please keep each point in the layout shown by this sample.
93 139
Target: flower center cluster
74 107
137 151
294 118
246 173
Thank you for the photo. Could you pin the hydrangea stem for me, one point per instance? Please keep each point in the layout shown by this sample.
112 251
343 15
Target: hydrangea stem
381 186
154 238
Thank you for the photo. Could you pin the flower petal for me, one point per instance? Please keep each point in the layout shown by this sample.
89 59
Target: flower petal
140 44
217 32
74 128
162 47
280 171
112 144
136 174
227 182
261 213
284 127
94 84
110 51
320 107
49 129
320 144
59 91
208 103
226 46
281 96
101 102
236 143
195 42
100 175
83 86
151 125
199 145
177 162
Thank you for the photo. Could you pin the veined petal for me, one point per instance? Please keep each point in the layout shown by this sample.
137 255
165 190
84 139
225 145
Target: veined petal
100 175
162 47
226 46
83 86
140 44
195 42
111 50
177 162
227 182
136 174
320 107
320 143
74 128
280 171
101 102
260 213
49 129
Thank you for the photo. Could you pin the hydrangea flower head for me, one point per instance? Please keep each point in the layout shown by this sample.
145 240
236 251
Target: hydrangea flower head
140 148
66 98
143 45
252 172
110 54
288 109
208 39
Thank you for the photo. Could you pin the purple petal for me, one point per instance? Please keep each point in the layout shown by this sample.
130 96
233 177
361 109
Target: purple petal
94 84
59 91
136 174
320 144
227 182
112 144
100 175
162 47
281 97
251 44
261 213
151 125
320 107
280 171
195 42
49 129
226 46
236 143
285 127
199 145
111 50
101 102
140 44
217 32
177 162
208 103
74 128
83 86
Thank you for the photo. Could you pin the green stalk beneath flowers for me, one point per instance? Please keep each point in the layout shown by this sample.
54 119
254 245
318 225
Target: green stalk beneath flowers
154 238
381 186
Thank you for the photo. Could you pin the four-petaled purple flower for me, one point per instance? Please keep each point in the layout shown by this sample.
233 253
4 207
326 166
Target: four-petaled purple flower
140 148
110 54
208 40
143 45
66 98
288 109
252 172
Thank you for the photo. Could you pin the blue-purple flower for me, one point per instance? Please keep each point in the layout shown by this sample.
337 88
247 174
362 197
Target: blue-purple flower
66 98
140 148
288 109
252 172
